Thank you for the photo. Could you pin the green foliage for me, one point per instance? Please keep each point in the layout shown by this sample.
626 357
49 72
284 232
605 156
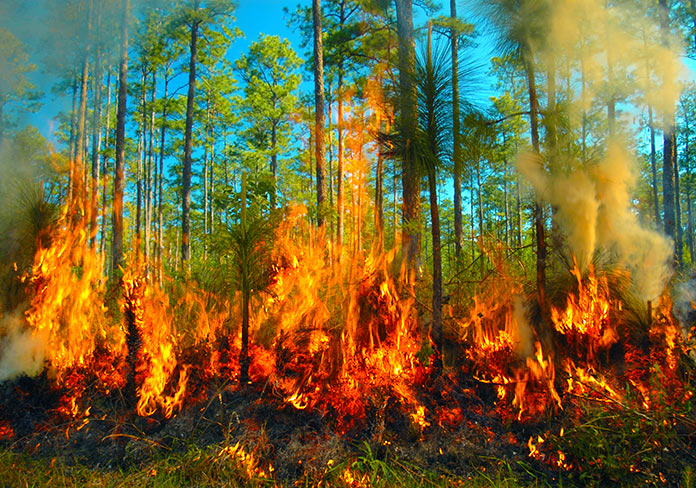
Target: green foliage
620 444
15 85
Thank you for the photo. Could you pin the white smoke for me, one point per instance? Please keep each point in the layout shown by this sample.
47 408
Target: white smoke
21 349
593 208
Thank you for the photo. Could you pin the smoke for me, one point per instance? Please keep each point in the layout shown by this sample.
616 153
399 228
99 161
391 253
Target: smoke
21 350
605 57
593 207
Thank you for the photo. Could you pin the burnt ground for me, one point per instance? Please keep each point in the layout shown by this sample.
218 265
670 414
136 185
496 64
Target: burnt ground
299 444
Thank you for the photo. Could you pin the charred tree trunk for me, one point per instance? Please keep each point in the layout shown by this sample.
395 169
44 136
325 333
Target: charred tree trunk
133 294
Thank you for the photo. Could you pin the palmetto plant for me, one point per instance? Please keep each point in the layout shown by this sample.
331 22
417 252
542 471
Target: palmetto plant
246 250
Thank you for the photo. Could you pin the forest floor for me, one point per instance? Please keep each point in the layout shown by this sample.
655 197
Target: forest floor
248 437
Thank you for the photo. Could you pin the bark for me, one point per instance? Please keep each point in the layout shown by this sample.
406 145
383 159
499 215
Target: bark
653 167
669 149
668 182
409 117
519 213
117 217
139 170
73 131
246 294
538 208
457 149
96 149
320 148
340 198
148 173
479 199
436 327
330 159
188 143
274 163
379 200
104 163
688 185
160 204
677 208
81 122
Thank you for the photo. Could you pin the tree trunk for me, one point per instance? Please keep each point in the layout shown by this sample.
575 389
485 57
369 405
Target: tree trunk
340 197
320 148
246 294
653 167
457 149
160 203
379 200
96 149
81 123
679 251
409 118
519 213
102 244
139 170
669 149
479 198
330 158
538 208
149 190
274 163
688 184
186 187
117 218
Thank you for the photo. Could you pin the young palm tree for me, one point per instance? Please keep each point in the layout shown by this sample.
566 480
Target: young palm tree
434 105
521 25
247 245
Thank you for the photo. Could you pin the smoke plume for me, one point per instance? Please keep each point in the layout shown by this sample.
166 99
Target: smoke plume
608 60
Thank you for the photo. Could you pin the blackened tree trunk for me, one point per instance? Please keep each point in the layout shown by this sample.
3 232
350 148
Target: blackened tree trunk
188 144
410 178
119 180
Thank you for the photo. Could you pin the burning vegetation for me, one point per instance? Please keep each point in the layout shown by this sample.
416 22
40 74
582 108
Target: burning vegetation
307 343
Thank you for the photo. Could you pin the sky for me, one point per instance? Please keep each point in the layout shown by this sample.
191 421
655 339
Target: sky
253 17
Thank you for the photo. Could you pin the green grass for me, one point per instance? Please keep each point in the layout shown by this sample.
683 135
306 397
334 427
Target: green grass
217 467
